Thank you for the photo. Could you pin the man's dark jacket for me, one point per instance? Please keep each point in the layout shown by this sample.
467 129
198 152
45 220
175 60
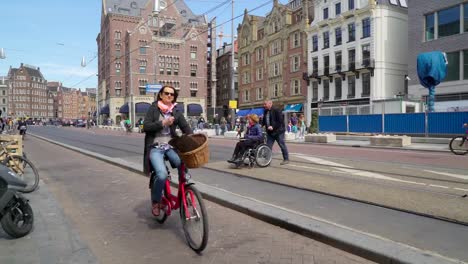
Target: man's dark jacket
152 125
276 121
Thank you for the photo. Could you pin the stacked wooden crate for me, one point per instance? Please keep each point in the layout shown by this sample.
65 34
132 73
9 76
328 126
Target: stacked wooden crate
14 149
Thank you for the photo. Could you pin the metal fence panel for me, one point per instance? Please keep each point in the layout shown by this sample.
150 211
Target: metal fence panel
332 123
405 123
447 123
365 123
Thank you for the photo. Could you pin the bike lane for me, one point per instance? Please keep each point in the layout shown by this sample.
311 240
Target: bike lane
110 208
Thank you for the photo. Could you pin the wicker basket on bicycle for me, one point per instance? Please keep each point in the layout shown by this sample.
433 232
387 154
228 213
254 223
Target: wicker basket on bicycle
194 153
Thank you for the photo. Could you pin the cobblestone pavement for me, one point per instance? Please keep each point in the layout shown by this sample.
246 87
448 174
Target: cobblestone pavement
109 206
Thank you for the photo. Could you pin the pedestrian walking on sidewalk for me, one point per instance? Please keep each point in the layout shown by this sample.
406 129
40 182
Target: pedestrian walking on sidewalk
223 125
216 121
273 121
301 123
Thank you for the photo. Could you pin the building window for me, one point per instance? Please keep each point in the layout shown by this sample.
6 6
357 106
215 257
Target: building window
326 40
295 87
295 63
338 9
365 84
315 66
315 91
142 50
366 28
276 90
193 70
143 66
338 88
325 13
275 47
117 67
449 21
314 43
430 22
465 19
326 90
352 59
326 65
246 77
275 69
117 34
296 40
351 32
338 61
366 55
259 94
350 4
142 86
338 36
259 74
193 52
246 96
465 61
351 86
453 67
259 54
193 93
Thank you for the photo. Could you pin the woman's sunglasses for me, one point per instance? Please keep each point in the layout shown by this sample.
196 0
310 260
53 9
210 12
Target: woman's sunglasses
168 94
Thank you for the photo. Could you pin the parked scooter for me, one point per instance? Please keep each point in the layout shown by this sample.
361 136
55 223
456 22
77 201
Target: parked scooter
16 215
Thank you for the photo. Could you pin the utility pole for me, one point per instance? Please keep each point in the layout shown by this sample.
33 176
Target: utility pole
233 53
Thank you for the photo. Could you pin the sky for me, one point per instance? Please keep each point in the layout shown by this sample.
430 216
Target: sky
56 34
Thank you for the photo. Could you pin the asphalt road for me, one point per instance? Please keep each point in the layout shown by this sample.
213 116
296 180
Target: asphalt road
402 179
110 210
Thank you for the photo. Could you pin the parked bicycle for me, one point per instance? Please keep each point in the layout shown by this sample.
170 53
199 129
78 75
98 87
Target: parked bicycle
192 209
459 144
23 168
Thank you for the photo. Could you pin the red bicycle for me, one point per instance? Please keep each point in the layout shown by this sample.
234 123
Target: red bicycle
192 210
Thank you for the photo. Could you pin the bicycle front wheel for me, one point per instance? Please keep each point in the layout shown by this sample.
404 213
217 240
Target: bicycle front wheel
195 222
26 171
459 145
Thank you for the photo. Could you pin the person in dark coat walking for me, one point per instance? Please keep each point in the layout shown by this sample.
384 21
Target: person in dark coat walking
160 126
273 121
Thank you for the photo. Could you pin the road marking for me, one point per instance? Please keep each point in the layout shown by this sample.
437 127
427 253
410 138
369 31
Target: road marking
438 186
460 189
459 176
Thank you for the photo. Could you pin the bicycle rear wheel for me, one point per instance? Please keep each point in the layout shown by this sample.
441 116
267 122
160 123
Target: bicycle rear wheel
26 171
196 226
459 145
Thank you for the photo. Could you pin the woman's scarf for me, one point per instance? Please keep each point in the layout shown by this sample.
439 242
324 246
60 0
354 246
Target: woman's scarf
166 108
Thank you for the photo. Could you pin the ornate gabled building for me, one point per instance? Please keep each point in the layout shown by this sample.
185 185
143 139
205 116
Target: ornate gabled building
272 57
28 96
357 56
4 96
145 42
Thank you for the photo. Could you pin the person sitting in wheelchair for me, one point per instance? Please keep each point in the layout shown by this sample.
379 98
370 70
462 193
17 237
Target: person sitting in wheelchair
252 137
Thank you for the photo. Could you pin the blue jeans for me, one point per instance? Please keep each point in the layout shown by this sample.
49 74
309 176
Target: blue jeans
280 139
217 129
157 160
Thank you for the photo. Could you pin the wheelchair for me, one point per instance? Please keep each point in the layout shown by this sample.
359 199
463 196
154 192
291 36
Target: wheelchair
259 155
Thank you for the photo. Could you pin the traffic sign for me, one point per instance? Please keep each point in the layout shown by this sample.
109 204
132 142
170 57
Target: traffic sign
153 88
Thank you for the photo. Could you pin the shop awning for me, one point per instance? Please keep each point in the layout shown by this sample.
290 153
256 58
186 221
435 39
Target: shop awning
124 109
258 111
180 108
142 108
293 108
194 109
105 110
243 112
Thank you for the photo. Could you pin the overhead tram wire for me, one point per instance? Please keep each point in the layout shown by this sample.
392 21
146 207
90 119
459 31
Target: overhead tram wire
218 25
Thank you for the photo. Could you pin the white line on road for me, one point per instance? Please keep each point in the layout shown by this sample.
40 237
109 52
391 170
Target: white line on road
460 189
459 176
438 186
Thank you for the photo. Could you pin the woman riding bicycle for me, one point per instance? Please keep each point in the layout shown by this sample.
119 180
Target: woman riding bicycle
253 136
160 126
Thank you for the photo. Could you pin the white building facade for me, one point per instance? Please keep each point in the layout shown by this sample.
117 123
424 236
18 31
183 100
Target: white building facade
357 55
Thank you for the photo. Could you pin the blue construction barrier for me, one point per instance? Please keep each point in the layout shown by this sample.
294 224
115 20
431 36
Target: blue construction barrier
332 123
405 123
440 123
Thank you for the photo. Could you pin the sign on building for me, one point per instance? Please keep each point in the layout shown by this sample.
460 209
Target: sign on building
153 88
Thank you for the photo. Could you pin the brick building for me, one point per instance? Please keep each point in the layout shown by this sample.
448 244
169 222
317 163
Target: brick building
443 26
223 76
4 96
272 58
150 42
28 95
